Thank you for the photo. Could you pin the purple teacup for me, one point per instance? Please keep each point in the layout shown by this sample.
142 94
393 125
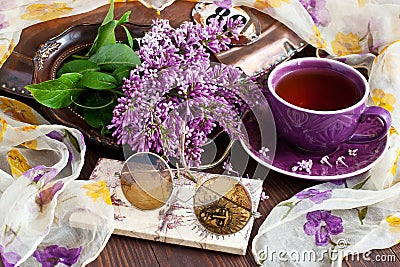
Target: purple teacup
318 103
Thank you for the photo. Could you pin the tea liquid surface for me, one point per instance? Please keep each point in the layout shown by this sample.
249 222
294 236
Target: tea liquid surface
318 89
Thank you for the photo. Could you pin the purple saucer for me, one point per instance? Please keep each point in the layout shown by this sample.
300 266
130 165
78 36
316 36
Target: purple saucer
347 161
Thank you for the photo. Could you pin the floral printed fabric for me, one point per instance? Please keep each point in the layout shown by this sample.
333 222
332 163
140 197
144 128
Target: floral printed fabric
323 224
38 193
342 216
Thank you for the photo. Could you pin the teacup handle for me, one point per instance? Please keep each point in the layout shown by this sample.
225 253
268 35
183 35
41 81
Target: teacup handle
376 111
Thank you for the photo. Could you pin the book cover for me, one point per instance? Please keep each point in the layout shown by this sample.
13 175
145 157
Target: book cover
175 222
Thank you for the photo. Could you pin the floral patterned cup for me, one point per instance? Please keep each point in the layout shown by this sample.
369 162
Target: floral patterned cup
318 130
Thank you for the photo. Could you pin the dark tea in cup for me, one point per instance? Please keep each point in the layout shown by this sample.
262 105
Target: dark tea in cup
318 103
318 89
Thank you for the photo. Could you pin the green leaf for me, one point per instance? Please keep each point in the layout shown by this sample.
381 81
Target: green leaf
98 81
57 93
128 36
111 57
290 205
98 117
124 18
78 66
110 14
362 214
121 72
73 140
135 45
105 36
285 204
106 32
360 185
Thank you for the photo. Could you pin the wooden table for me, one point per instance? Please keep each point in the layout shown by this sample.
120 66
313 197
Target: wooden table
124 251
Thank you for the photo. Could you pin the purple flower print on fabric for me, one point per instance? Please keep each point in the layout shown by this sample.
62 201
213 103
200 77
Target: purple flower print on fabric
338 182
318 11
55 135
59 137
3 23
46 195
41 173
9 258
314 195
7 4
322 224
53 255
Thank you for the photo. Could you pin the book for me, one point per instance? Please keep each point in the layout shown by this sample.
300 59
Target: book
175 222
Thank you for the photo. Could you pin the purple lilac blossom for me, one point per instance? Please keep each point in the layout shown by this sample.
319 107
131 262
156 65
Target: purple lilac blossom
318 11
322 224
314 195
177 91
9 258
195 136
53 255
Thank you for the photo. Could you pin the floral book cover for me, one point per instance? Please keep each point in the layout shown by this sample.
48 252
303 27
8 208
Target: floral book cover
175 222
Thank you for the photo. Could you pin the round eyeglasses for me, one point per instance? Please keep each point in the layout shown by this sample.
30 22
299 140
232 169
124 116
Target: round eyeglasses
221 204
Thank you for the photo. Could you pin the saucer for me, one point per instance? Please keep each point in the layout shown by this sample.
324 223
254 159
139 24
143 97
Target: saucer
348 160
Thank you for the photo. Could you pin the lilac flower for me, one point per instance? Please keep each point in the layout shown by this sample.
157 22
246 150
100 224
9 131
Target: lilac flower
195 137
318 11
176 97
322 224
220 33
53 255
304 165
314 195
227 166
9 258
264 151
340 161
352 152
263 196
325 160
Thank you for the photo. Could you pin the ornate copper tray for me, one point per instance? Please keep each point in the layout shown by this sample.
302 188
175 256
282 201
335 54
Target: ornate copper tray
276 43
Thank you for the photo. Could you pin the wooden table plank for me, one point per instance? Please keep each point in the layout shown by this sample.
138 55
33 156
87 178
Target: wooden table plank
124 251
396 251
382 257
173 255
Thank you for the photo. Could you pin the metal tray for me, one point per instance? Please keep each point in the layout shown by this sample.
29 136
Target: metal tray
276 43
